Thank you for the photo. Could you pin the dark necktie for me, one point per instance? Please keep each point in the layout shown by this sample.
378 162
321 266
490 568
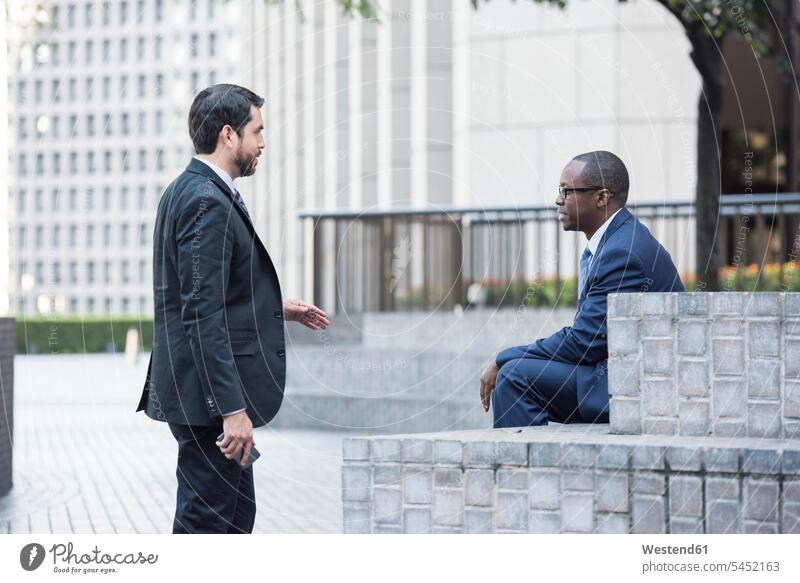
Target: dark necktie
240 201
582 271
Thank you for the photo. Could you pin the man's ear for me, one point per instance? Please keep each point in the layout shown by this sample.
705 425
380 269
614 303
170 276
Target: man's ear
602 197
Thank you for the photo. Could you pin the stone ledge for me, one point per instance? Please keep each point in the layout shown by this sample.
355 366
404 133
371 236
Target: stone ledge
716 363
573 478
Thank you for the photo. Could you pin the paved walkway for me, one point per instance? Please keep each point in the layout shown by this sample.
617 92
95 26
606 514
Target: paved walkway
84 462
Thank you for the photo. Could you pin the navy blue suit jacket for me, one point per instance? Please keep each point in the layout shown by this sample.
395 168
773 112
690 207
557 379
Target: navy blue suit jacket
628 259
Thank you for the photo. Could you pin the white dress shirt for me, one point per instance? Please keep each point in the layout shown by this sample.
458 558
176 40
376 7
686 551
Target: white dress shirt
226 178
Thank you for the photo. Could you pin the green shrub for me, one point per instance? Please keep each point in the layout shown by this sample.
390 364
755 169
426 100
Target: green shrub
76 335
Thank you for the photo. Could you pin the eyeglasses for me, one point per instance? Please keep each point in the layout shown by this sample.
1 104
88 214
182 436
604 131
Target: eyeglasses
564 191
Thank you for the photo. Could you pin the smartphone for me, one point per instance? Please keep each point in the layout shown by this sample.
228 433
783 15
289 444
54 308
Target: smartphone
254 454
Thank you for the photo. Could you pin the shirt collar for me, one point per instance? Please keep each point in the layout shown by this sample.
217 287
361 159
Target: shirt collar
226 178
594 242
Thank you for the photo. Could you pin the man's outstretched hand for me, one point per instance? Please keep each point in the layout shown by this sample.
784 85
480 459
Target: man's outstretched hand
488 380
308 315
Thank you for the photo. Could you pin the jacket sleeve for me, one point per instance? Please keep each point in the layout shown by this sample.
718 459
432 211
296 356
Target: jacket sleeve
585 341
204 248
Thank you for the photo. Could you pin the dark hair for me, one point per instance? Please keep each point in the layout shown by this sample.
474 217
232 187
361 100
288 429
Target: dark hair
606 170
214 108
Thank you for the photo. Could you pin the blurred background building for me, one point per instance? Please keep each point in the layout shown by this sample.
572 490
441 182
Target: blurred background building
433 106
98 100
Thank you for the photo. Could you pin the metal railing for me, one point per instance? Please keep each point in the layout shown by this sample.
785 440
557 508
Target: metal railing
403 259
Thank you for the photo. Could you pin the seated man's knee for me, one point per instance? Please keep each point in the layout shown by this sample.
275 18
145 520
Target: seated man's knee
505 383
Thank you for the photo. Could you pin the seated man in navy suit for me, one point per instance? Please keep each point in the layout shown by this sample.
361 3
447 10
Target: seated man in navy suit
563 377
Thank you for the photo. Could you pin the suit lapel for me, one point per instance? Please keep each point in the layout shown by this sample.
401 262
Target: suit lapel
620 219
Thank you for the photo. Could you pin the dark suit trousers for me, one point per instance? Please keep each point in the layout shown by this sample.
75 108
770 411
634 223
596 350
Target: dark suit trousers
215 495
533 391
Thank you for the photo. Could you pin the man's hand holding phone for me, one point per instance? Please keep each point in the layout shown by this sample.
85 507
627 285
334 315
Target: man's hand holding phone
237 436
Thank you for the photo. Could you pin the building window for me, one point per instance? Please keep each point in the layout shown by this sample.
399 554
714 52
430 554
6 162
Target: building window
157 48
107 161
89 202
107 235
106 51
90 124
107 199
88 15
125 271
123 12
212 45
194 45
54 89
72 52
73 162
123 235
90 305
22 165
142 82
56 236
123 87
39 164
159 122
90 272
88 52
55 202
89 235
124 158
140 126
142 198
55 126
159 85
125 124
89 89
71 16
73 200
125 306
39 238
158 10
159 160
140 48
38 91
140 11
73 272
73 89
39 200
107 305
123 50
106 87
142 160
21 233
107 124
106 13
73 236
123 198
143 235
56 163
91 166
107 273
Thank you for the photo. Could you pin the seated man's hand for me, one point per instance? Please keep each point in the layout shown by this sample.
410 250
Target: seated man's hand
488 380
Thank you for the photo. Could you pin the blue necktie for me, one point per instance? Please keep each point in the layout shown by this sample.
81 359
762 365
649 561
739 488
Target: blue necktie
582 271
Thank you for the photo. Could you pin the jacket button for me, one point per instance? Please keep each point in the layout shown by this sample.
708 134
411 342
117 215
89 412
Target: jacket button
281 352
279 314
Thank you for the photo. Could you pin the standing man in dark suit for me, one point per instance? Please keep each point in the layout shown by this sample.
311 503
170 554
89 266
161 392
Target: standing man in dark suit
563 377
219 360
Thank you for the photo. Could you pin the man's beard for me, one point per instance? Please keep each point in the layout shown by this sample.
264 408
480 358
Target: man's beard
245 164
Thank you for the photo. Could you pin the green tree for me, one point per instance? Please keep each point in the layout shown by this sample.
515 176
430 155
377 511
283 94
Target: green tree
707 23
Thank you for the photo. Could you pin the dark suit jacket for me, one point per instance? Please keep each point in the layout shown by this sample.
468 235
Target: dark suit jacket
218 342
628 259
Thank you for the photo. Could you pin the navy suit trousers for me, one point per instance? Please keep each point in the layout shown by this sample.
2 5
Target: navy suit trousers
215 495
533 391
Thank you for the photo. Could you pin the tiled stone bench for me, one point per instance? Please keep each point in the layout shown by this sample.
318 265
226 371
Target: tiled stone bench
725 364
570 478
705 421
